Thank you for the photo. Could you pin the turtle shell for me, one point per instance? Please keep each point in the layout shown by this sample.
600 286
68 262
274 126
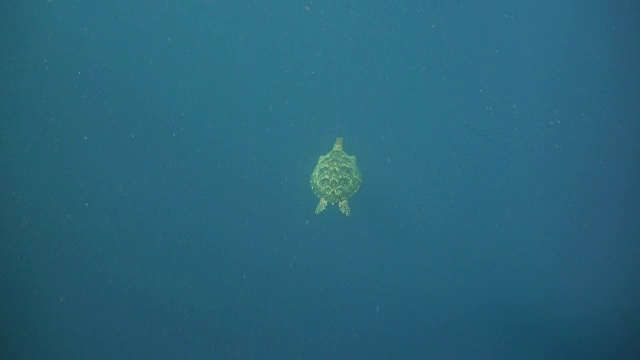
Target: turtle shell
336 177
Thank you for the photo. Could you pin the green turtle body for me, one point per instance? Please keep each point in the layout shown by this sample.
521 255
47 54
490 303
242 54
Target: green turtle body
336 178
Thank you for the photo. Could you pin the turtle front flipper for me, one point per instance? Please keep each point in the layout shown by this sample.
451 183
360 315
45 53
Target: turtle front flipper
344 207
321 205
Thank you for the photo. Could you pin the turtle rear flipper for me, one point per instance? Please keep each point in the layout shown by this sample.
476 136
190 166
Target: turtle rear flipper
321 205
344 207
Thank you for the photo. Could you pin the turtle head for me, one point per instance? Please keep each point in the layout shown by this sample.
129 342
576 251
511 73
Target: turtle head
338 144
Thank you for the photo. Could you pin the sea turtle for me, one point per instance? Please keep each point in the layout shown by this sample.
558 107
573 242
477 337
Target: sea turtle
336 178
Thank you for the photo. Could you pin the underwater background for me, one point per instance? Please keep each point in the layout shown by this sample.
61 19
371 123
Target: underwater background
155 161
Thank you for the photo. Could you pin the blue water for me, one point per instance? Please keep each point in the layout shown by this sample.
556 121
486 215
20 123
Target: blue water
156 155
